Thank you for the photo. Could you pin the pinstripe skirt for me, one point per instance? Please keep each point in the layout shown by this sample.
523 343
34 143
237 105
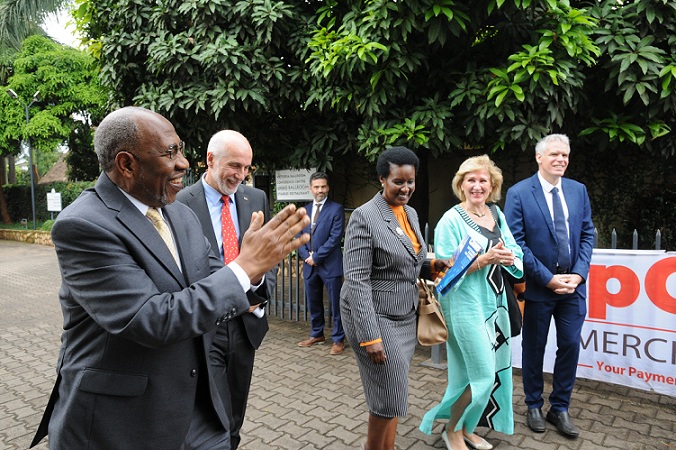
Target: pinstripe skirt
386 385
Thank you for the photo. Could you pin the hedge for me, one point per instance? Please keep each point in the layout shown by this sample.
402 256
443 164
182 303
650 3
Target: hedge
19 198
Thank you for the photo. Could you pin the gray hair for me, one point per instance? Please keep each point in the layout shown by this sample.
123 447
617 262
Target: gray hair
221 141
116 132
541 146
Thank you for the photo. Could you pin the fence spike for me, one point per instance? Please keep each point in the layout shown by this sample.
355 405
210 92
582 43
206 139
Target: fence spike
613 239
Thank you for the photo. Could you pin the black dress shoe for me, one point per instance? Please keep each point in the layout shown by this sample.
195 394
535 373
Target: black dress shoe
535 420
563 423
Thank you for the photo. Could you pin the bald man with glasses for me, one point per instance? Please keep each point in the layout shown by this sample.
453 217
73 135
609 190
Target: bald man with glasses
142 296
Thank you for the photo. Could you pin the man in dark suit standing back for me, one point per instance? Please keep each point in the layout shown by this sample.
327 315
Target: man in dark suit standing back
550 217
229 157
142 296
323 263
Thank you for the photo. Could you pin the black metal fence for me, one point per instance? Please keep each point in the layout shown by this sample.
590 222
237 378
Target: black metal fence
289 298
634 239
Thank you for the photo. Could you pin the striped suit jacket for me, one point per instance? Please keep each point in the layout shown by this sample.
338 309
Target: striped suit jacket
380 266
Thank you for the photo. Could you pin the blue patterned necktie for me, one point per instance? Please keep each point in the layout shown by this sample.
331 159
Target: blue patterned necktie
563 259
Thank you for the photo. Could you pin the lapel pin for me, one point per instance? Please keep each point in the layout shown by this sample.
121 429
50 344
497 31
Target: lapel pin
400 232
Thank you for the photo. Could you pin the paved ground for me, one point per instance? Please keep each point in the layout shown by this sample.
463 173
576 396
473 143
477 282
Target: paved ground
301 398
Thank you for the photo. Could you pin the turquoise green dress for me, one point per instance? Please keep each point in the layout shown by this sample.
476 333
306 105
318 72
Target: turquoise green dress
478 347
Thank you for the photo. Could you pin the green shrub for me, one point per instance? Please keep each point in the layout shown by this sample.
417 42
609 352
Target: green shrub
47 225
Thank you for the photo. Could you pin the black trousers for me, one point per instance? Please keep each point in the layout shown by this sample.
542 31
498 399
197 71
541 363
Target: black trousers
206 432
232 357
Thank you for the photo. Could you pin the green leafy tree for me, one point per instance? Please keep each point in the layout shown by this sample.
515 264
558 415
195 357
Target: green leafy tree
317 82
70 93
437 75
208 65
631 89
18 20
445 74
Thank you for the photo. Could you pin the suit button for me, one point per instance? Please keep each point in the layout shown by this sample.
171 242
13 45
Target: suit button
193 373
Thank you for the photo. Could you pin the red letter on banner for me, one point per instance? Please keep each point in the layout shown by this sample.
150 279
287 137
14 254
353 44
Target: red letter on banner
599 296
656 284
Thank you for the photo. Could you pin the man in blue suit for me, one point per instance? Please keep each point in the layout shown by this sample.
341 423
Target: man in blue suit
323 262
550 217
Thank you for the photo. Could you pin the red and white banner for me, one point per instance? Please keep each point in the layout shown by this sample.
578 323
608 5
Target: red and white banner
629 336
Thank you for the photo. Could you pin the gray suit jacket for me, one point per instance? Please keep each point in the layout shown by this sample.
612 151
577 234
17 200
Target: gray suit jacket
380 265
136 329
247 200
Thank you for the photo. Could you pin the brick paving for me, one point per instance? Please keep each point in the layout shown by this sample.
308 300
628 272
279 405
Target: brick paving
301 398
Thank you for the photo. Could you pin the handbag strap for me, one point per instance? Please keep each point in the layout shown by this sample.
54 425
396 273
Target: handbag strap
494 212
422 284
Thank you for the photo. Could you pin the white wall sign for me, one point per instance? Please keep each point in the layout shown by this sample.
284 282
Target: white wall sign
53 201
293 185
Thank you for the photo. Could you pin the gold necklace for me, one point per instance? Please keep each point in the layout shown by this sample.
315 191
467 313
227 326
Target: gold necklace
478 214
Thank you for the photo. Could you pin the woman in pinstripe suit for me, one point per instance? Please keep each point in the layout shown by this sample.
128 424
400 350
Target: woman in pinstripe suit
384 253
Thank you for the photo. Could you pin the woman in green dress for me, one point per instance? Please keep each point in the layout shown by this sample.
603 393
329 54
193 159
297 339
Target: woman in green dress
478 347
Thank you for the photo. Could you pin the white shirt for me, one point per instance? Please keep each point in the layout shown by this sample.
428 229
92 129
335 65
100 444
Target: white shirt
314 209
547 190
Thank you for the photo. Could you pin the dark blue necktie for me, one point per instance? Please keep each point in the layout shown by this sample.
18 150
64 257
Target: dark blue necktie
563 259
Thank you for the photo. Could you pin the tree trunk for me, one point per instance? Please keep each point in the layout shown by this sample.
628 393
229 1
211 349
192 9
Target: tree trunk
11 175
3 207
3 170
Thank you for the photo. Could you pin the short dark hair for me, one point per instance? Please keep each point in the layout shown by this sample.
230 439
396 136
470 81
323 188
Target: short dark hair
319 176
399 156
117 131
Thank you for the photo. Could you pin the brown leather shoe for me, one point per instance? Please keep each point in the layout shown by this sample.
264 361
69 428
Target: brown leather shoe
337 348
312 341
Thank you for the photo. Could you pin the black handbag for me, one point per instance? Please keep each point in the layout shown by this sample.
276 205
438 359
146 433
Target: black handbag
513 287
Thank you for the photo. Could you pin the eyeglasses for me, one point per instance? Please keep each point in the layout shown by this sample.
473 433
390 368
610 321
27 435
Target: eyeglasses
174 150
